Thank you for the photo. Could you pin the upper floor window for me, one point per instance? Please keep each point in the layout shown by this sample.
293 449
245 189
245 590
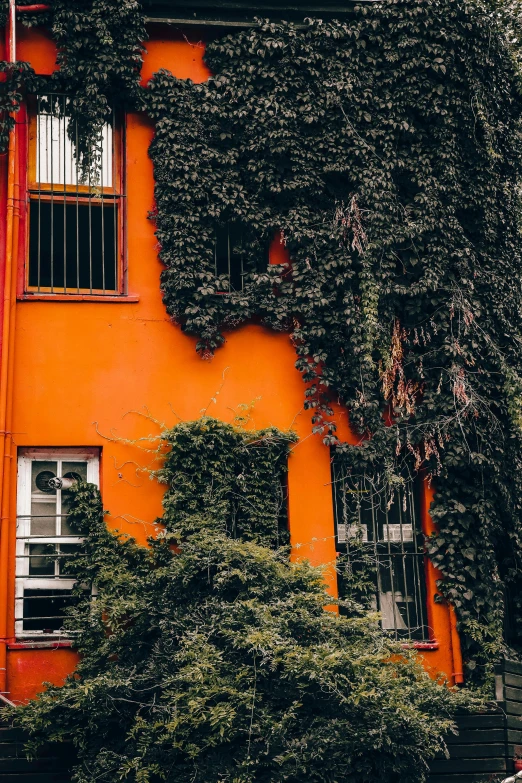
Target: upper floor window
75 220
381 546
233 257
45 540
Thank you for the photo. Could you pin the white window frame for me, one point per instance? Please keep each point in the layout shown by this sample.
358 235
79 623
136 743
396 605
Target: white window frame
23 581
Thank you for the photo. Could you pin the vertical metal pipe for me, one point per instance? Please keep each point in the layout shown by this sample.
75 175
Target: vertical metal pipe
77 210
119 203
64 198
102 215
403 561
52 97
39 176
90 226
456 651
6 372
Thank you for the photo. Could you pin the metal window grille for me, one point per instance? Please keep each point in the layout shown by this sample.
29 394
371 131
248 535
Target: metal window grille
74 224
45 541
231 264
377 529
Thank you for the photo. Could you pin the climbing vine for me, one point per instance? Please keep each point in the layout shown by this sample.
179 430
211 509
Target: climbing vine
209 656
100 47
114 30
239 474
18 77
386 151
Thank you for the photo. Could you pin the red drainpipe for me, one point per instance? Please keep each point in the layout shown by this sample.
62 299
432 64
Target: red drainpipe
7 202
7 219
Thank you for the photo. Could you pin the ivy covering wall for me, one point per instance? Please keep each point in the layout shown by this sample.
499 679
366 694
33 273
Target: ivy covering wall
387 150
100 46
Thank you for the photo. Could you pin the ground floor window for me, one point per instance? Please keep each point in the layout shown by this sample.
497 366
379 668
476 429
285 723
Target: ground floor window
381 549
45 540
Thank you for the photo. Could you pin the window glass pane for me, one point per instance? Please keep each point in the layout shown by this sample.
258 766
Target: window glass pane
41 472
43 499
228 254
73 244
399 593
381 548
44 571
55 151
74 470
67 551
44 609
42 559
43 521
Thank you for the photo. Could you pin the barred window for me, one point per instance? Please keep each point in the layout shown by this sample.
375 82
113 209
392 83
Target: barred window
232 256
380 545
45 540
75 222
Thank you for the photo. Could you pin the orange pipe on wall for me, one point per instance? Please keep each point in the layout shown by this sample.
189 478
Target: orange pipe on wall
456 649
6 364
441 615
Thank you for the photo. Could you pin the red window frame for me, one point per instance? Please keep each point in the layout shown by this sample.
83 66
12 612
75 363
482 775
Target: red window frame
30 189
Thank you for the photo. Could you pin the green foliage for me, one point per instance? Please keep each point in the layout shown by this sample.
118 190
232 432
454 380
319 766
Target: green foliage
17 77
387 150
236 473
33 19
206 657
99 60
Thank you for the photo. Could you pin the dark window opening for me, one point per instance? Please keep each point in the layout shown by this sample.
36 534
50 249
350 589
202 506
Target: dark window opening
44 610
51 559
233 257
73 246
228 255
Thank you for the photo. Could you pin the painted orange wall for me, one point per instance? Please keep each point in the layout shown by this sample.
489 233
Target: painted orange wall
87 374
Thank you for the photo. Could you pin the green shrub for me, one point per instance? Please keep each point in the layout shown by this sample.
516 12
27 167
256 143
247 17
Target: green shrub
209 656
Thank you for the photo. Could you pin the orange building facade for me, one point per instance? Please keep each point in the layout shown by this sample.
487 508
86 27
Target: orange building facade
85 376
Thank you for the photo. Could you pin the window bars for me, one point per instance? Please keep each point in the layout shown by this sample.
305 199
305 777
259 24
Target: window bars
45 541
379 539
74 220
231 258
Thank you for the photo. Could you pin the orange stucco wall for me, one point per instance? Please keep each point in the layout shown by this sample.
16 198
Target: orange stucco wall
87 373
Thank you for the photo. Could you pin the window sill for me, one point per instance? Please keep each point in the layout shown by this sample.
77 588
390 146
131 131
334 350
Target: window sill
109 298
47 644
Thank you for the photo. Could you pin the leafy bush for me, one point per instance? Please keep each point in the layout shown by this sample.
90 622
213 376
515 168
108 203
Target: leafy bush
209 657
